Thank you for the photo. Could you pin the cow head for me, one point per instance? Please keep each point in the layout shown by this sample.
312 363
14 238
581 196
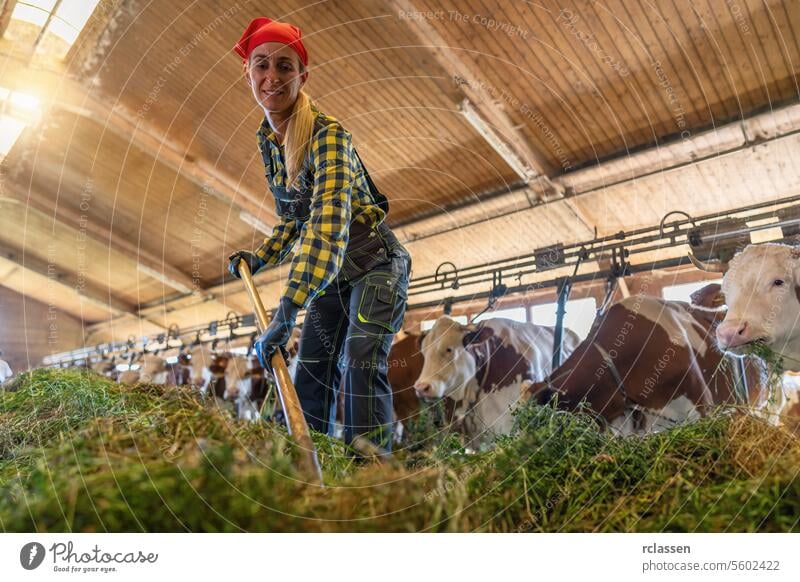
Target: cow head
709 297
153 369
237 377
762 290
448 366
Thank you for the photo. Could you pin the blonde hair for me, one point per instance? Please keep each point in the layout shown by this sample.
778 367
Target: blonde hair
298 136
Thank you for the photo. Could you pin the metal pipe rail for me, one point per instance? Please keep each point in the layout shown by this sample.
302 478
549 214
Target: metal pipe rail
595 248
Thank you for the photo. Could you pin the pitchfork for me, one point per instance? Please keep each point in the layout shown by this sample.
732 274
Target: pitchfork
295 421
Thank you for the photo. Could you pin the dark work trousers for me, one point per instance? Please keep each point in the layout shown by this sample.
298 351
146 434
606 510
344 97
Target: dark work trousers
344 344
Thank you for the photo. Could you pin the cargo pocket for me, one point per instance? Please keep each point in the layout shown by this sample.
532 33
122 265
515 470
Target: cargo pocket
364 252
382 303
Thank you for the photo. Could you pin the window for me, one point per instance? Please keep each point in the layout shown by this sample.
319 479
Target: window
16 111
684 291
62 23
516 313
10 130
428 323
579 316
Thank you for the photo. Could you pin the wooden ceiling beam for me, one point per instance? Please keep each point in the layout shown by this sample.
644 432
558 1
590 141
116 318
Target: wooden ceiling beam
5 15
68 283
58 90
150 139
152 265
481 107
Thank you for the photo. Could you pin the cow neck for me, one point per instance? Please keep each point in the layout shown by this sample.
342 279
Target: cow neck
612 367
482 352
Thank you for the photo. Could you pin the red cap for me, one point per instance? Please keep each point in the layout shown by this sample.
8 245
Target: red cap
263 30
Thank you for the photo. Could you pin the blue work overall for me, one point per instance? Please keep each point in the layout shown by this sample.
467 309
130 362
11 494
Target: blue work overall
349 327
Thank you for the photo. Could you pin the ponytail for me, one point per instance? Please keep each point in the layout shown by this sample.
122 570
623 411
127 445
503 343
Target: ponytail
298 136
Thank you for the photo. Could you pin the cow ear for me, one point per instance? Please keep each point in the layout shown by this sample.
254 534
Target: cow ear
795 256
480 335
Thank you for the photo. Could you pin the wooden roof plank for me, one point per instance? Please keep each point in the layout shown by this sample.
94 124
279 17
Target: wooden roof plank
483 102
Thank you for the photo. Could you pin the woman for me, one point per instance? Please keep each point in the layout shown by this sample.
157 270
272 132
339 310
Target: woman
349 271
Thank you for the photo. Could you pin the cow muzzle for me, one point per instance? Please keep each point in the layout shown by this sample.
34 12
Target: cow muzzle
734 335
426 390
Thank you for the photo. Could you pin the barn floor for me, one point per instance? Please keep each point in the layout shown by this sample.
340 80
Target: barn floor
79 453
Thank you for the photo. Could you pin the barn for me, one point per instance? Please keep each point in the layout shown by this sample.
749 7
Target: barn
545 163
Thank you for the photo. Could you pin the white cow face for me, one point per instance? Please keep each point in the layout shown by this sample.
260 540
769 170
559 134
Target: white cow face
237 380
762 290
201 357
153 369
448 367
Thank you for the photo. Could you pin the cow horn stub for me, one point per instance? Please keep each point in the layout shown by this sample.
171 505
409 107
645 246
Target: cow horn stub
708 266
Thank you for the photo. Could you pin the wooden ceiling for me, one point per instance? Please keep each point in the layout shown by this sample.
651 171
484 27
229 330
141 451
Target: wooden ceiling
146 143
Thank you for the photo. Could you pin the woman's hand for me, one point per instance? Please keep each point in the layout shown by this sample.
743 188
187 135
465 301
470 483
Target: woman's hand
247 256
277 333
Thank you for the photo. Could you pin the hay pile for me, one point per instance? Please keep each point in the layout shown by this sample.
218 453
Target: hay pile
80 453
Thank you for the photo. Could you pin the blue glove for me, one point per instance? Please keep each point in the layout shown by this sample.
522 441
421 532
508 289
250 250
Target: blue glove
250 258
277 333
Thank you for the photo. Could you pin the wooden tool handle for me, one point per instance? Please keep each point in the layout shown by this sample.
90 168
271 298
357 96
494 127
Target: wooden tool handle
295 420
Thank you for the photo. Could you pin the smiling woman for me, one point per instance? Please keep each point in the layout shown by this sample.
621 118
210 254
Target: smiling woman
351 273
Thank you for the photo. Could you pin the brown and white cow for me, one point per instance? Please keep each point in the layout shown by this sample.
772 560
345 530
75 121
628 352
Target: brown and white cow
152 369
180 373
648 365
107 368
405 366
762 292
246 388
790 415
484 368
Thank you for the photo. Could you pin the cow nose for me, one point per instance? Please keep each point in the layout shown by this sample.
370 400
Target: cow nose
731 335
423 389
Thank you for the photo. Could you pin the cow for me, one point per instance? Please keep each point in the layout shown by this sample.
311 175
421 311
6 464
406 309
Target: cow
484 368
790 415
208 370
710 296
128 377
405 366
650 364
152 369
762 291
106 368
179 373
247 387
5 369
200 359
217 374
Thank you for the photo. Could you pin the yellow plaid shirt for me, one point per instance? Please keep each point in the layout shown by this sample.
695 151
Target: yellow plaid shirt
339 195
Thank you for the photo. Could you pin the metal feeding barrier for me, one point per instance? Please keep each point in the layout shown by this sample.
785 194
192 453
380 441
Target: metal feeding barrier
234 327
710 237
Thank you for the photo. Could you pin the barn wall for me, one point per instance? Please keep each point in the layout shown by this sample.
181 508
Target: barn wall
29 330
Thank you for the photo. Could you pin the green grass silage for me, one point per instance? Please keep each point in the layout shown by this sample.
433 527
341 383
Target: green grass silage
80 453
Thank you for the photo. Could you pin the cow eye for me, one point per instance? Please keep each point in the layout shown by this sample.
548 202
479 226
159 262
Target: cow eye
777 282
449 350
